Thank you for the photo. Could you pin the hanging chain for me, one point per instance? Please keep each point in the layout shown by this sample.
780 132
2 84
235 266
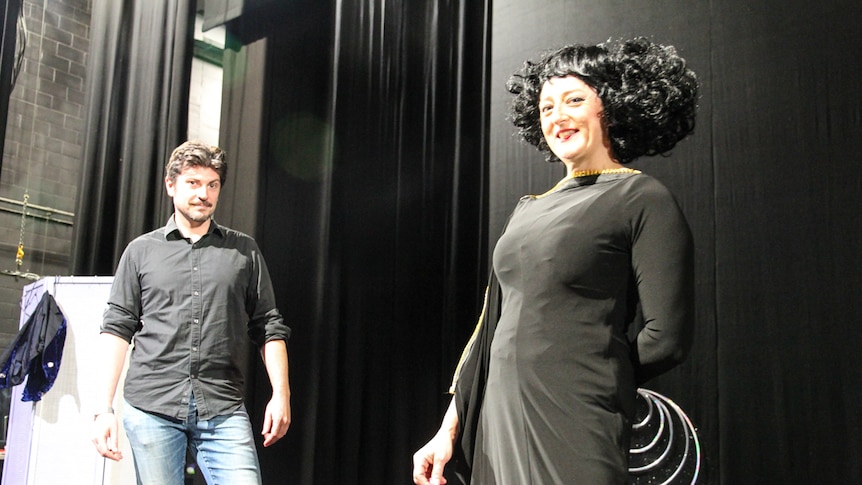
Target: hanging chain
19 258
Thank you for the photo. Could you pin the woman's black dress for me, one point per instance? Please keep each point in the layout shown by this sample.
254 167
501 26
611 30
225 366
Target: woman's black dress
560 371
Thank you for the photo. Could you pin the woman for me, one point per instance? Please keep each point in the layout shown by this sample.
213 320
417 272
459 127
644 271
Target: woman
545 390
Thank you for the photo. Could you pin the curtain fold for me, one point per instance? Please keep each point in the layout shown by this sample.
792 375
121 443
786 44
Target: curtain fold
138 79
406 238
242 134
8 45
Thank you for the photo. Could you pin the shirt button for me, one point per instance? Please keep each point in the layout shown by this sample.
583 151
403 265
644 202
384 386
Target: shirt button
196 293
195 268
194 349
196 320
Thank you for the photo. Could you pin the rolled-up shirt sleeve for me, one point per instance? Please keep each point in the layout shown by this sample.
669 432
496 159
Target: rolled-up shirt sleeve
265 321
122 317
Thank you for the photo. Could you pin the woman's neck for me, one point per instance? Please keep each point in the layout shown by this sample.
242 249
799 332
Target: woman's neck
574 167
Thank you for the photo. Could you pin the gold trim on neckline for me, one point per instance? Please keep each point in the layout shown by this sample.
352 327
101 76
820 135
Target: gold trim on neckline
586 173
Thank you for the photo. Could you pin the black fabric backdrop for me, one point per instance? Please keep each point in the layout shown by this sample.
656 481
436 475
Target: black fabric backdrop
138 75
787 134
8 46
386 169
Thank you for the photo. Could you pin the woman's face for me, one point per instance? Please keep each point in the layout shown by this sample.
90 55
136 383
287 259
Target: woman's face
571 116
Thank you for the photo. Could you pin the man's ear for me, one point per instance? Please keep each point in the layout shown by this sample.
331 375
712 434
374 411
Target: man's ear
169 186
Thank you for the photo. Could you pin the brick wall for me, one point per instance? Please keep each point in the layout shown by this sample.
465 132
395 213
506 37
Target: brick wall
43 149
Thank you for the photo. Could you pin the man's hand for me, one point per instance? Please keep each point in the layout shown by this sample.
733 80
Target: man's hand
276 419
105 436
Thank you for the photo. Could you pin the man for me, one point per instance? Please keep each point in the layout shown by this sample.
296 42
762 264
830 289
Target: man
187 293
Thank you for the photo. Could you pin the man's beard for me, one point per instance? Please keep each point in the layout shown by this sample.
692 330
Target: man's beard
196 217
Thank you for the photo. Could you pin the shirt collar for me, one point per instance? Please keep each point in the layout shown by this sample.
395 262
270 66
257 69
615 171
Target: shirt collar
172 232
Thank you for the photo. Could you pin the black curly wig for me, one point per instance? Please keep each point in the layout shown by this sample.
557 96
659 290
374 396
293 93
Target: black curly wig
648 94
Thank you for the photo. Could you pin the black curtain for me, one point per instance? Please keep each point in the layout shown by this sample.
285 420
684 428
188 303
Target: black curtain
243 133
8 47
372 218
138 75
788 231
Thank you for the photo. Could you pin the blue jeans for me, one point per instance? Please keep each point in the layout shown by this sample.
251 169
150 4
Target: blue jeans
223 447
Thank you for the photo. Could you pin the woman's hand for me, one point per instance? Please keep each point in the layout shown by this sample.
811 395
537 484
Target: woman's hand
429 461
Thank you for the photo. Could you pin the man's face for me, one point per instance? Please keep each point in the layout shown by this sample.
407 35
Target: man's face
195 192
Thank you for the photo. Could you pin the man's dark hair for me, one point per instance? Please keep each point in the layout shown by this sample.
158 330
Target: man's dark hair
196 154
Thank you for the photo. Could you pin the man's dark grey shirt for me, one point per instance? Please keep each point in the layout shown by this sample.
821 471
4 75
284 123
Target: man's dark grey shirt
188 306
